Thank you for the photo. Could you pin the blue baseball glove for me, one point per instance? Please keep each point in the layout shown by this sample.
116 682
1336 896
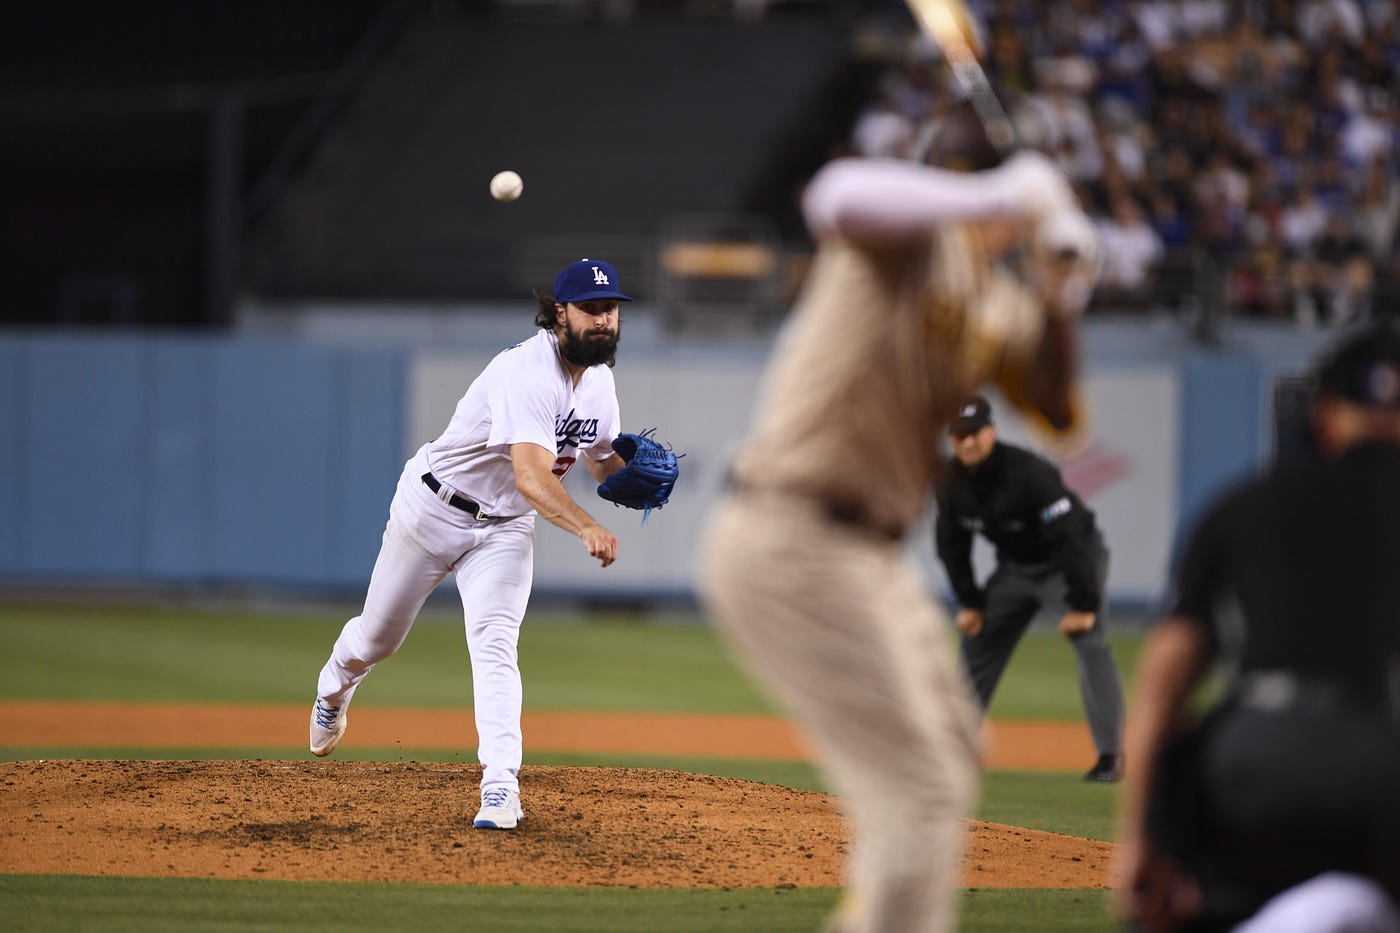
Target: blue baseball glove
650 474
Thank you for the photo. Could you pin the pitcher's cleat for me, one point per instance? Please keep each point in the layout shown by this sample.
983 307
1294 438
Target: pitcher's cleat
327 727
500 809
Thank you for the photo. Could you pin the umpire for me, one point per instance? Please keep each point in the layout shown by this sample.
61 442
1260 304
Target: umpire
1049 553
1295 576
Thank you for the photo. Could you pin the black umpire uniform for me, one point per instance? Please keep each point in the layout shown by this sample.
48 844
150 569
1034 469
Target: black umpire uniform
1049 553
1297 575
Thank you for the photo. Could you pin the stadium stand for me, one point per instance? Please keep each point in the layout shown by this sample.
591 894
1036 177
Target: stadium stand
1236 153
165 165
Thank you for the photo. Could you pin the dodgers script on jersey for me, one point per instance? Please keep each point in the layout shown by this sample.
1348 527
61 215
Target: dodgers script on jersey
510 404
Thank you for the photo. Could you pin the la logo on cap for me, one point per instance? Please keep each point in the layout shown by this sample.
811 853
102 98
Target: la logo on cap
586 280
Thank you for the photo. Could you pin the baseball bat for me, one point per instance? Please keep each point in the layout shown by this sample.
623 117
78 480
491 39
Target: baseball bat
940 21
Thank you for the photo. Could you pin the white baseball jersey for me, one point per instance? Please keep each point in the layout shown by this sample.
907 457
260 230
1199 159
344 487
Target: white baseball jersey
524 396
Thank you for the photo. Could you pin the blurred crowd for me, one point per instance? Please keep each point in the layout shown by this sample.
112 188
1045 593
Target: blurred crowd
1243 148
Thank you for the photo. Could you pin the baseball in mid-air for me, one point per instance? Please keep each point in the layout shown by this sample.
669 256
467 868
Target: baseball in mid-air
506 186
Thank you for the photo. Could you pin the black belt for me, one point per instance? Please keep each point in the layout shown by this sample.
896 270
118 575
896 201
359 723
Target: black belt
856 517
458 502
1277 690
839 513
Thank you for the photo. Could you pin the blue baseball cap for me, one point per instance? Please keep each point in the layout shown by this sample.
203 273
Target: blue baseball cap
585 280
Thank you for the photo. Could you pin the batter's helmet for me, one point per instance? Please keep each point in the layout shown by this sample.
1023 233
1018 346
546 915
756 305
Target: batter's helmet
958 141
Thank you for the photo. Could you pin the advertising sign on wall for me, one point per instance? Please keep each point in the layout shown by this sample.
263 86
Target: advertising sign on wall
1125 469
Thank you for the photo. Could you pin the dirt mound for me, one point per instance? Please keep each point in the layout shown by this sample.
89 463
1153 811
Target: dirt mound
411 822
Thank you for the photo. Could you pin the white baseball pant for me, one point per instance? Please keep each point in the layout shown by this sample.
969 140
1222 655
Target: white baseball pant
493 562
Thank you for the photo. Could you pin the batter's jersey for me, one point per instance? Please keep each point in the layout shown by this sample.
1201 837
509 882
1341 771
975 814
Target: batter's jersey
523 396
1311 557
872 364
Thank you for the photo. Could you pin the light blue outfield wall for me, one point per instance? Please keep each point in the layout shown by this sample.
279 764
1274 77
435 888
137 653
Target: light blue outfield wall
14 406
1224 426
171 459
261 461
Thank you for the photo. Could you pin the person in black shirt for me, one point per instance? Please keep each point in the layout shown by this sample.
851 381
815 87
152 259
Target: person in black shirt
1295 773
1049 553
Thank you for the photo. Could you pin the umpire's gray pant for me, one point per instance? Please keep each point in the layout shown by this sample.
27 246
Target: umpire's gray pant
1016 594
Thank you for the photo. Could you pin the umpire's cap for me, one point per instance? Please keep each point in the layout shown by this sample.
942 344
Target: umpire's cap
974 415
1364 367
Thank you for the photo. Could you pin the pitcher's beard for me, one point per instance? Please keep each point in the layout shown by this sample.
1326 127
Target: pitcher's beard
589 351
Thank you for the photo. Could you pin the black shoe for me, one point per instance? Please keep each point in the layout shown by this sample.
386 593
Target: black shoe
1107 770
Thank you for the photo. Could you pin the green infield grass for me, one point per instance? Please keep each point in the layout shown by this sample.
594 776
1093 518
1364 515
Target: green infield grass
596 663
608 662
62 903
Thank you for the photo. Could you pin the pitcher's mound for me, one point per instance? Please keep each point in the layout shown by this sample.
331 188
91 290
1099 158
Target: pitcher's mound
411 822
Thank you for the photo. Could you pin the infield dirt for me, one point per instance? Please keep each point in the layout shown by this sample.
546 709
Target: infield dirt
410 821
